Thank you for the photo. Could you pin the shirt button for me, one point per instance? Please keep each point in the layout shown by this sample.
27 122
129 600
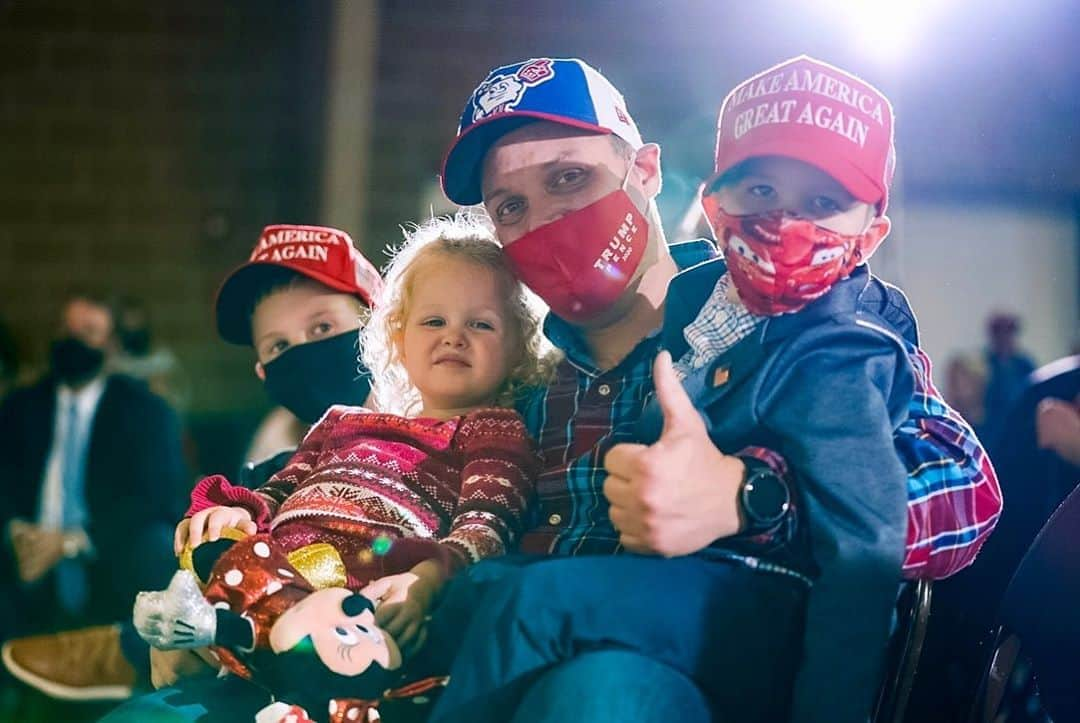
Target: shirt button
604 390
555 519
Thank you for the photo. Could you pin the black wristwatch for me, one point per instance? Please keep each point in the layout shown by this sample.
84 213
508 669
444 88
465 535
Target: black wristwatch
764 496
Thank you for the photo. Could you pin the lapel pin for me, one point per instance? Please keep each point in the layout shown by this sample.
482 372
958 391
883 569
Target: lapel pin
720 376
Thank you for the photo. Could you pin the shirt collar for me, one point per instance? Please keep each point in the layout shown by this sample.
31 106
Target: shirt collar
86 398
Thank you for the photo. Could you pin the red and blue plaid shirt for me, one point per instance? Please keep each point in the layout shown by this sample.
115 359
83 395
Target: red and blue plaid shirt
953 495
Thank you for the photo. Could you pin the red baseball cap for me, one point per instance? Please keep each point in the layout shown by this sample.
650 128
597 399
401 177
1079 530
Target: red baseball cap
816 113
323 254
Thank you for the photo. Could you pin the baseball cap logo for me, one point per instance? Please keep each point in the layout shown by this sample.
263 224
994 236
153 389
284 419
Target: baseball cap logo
291 243
502 93
537 71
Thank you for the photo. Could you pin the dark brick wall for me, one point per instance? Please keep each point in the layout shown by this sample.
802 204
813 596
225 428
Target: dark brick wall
142 146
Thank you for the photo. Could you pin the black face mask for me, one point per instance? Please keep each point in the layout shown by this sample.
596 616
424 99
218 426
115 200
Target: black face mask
73 362
309 378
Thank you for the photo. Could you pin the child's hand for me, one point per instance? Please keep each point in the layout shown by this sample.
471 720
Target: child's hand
404 601
209 523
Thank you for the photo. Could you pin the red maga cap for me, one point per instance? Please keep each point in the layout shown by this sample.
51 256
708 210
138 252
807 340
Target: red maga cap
816 113
323 254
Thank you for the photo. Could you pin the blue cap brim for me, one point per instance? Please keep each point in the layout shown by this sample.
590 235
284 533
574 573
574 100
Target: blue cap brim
463 166
462 171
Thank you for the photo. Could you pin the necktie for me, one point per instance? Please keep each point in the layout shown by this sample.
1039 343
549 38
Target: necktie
71 584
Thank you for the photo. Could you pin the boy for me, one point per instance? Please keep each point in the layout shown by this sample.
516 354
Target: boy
804 158
298 302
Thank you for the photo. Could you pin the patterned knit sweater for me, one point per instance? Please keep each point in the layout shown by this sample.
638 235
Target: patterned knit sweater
455 489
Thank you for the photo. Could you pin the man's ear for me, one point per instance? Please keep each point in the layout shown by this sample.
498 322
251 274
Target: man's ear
647 165
260 371
869 241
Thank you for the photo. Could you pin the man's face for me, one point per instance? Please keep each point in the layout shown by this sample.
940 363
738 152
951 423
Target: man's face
88 322
543 171
302 312
774 183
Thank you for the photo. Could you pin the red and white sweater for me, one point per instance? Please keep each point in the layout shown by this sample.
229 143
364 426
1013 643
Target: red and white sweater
463 483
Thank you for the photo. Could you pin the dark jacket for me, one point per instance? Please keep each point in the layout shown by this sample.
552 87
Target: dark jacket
827 388
135 477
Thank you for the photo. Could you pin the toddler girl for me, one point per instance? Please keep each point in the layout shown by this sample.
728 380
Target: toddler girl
439 478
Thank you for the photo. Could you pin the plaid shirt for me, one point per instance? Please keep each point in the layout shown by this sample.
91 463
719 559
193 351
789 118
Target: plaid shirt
721 324
953 494
954 499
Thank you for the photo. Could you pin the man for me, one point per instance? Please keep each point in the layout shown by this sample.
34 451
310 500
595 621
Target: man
549 147
1008 367
94 478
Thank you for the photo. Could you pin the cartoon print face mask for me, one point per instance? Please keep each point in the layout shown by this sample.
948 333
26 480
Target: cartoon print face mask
780 263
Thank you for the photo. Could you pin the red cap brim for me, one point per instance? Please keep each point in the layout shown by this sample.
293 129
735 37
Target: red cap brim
236 296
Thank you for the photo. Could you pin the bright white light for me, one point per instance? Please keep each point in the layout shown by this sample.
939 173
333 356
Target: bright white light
886 30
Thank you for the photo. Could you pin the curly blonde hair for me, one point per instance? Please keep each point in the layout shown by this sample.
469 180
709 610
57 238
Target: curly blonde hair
467 236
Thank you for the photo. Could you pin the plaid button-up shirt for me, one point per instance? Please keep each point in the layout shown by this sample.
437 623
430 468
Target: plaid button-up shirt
953 495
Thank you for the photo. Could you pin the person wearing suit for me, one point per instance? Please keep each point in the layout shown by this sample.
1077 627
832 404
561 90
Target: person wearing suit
92 479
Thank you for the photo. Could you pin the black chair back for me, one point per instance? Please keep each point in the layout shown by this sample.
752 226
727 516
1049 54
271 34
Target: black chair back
913 612
1038 615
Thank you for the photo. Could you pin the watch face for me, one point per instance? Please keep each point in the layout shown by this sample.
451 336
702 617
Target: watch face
766 497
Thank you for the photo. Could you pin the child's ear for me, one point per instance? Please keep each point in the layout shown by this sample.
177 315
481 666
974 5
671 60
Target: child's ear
260 371
873 237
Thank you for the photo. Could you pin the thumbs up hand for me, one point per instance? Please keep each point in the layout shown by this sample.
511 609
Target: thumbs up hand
678 495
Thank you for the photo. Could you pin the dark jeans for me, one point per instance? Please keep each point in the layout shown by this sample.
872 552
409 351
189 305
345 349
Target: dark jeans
733 631
612 686
205 698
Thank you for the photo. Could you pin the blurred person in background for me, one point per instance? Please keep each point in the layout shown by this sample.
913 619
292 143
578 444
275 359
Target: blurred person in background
1007 371
965 388
139 357
92 476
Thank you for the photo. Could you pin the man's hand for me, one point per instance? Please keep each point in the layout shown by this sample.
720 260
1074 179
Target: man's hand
404 601
169 666
1057 428
37 550
678 495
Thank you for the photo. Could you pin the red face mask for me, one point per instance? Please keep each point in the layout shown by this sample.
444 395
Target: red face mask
581 263
779 263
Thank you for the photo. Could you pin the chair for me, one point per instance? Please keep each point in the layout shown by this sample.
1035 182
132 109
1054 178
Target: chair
1038 616
904 651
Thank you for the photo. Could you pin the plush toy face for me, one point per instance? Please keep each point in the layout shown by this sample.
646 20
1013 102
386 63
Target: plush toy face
342 629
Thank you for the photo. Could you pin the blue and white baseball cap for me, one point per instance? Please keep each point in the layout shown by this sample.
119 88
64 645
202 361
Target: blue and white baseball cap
563 90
